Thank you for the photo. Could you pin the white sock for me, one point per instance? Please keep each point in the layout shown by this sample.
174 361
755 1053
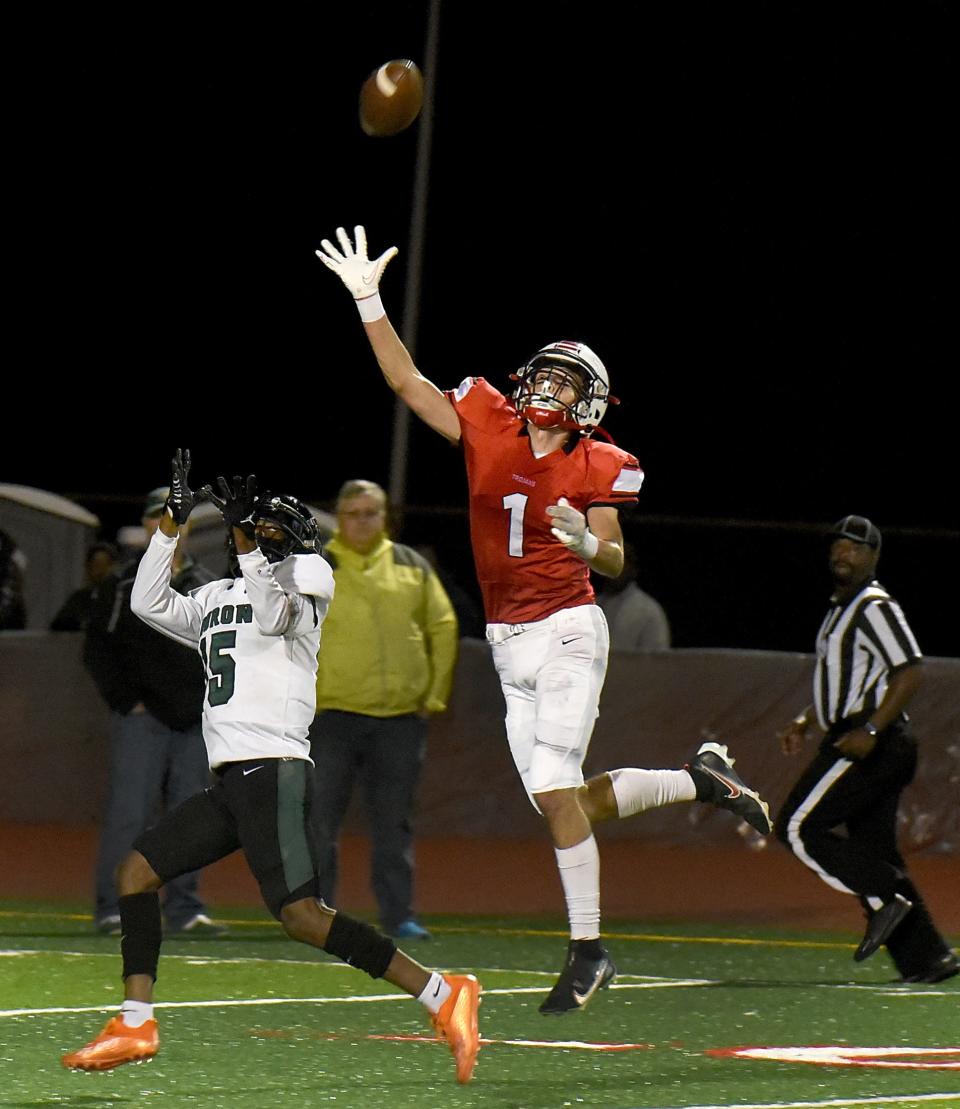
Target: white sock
579 868
639 790
135 1013
435 993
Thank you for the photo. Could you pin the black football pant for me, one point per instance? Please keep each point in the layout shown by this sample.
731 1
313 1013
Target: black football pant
840 819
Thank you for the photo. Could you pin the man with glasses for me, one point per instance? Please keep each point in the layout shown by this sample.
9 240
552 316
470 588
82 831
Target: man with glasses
386 666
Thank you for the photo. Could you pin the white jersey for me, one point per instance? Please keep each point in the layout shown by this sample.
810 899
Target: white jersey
258 636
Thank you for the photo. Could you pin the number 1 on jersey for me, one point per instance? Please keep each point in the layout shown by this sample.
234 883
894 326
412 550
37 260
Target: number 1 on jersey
516 503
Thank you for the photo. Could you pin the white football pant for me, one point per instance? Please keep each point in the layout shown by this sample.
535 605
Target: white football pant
551 673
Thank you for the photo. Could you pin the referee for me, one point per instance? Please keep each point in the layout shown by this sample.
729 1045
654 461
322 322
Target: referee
867 670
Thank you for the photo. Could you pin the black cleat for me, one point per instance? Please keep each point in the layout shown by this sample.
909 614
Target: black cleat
717 782
579 980
940 971
881 926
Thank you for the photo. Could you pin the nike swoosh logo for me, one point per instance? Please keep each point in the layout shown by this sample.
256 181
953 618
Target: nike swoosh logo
572 639
436 992
252 770
732 786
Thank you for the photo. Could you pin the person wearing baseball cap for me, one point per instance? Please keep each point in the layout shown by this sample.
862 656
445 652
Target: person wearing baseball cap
155 502
866 673
155 689
859 529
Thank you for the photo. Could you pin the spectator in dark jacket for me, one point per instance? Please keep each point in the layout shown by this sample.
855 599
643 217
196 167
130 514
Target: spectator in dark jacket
102 559
155 688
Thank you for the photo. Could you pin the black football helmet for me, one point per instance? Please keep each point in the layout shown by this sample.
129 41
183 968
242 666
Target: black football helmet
294 519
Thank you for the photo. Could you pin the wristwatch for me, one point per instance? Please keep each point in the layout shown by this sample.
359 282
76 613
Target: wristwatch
870 729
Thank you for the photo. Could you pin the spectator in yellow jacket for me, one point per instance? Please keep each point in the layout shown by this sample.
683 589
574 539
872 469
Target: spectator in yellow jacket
385 665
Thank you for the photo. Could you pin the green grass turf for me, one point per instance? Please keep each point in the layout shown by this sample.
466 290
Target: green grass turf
305 1037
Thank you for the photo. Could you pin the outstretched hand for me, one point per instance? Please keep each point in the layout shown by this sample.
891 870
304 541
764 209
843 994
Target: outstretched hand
238 504
351 264
181 500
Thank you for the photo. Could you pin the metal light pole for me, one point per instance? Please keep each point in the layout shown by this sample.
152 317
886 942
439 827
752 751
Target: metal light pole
411 303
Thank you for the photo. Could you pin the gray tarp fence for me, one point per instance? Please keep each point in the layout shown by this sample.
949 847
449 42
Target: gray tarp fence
655 708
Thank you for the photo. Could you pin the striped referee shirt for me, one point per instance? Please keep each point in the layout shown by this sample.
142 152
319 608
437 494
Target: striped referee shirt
859 644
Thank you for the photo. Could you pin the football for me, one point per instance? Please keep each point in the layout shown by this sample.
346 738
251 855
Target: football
391 98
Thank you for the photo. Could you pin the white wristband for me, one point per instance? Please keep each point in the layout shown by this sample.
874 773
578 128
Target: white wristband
589 546
370 308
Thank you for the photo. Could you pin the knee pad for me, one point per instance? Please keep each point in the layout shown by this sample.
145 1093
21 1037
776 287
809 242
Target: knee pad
360 945
553 766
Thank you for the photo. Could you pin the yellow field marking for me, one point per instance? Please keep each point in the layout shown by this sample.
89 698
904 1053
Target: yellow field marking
86 918
645 937
895 1101
628 937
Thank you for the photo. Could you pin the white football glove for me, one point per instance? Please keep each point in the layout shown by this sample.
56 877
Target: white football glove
352 266
570 527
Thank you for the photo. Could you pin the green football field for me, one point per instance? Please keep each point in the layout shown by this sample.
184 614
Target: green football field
254 1020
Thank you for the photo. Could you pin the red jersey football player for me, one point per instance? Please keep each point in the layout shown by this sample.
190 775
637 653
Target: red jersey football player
544 501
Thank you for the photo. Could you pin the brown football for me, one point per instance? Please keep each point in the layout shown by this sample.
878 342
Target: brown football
391 98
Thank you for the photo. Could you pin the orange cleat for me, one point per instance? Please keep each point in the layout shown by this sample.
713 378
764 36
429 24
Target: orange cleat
116 1044
457 1022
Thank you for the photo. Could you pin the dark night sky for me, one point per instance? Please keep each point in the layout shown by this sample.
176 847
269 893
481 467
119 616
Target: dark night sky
748 214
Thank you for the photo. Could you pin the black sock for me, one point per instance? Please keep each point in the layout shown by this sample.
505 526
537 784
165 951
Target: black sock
142 932
590 949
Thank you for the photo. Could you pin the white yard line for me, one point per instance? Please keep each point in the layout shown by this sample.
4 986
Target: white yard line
254 1001
840 1103
677 983
222 1004
624 982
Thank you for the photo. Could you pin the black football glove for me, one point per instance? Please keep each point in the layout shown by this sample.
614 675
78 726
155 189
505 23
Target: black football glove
237 505
182 500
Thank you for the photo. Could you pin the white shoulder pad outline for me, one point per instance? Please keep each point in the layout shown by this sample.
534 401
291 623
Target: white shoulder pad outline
629 480
463 388
309 574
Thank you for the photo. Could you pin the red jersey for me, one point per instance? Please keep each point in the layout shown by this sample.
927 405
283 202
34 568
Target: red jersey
525 572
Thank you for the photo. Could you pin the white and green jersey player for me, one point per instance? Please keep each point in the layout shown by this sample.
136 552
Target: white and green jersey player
258 636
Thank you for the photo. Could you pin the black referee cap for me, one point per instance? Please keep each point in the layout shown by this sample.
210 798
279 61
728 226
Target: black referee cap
859 529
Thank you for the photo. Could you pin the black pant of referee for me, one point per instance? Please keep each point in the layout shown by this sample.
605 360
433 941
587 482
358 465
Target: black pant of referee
840 819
